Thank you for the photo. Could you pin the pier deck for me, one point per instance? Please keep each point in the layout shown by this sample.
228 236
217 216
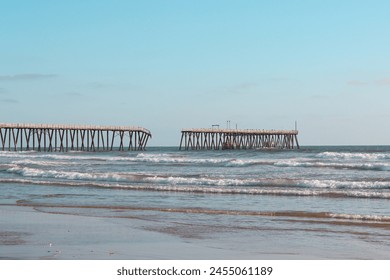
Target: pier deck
215 139
49 138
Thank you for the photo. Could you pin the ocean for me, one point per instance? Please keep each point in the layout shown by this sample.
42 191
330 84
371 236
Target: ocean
328 202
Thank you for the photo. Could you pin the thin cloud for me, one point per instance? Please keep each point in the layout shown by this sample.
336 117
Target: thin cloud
243 88
29 76
73 94
99 85
319 96
277 79
384 82
356 83
9 101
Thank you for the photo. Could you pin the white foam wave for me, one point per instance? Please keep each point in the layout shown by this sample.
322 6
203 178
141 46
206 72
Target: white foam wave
174 159
364 156
142 157
334 184
6 166
195 180
33 172
360 166
141 178
165 158
203 181
210 190
161 158
36 155
43 162
371 218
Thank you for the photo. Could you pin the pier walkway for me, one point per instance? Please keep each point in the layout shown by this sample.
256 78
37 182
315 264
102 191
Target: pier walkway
63 138
215 139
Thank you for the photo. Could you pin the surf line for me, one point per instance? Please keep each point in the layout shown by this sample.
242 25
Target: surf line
289 214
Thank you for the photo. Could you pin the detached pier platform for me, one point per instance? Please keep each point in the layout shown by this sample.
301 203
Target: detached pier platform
215 139
63 138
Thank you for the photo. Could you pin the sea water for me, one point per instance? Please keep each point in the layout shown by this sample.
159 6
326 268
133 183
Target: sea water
315 202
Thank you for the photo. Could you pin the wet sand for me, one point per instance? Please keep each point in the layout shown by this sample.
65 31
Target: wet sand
30 234
50 233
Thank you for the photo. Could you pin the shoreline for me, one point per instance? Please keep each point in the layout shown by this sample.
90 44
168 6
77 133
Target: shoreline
28 234
33 234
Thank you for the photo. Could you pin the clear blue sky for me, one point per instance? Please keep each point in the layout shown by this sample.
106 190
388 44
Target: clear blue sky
167 65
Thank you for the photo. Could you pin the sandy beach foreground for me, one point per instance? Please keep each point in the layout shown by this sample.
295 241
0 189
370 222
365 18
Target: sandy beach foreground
27 233
31 233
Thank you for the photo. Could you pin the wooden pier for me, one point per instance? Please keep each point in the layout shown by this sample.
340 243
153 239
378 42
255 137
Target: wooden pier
63 138
215 139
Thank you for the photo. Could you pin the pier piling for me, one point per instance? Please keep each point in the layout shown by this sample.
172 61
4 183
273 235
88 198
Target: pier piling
63 138
215 139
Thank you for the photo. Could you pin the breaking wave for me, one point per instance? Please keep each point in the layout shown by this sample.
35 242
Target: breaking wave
351 156
381 166
35 158
195 179
211 189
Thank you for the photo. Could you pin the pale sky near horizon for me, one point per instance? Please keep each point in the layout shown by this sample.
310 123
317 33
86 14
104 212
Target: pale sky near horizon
168 65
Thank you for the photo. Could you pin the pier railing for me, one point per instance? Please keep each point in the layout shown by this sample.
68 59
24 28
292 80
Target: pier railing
54 137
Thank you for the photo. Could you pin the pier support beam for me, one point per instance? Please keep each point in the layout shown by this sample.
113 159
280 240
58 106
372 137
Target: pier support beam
216 139
71 137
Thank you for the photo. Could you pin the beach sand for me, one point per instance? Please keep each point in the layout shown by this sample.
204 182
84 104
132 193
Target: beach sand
28 233
47 233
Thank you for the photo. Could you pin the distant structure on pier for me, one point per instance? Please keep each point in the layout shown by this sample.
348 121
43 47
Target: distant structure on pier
215 139
63 138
